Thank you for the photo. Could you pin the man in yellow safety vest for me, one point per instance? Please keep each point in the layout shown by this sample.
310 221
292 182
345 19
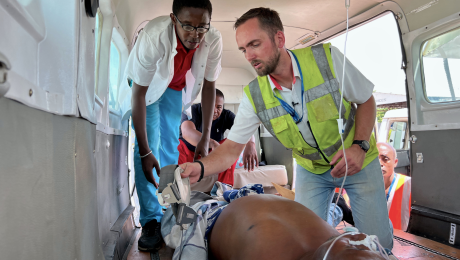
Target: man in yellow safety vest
297 97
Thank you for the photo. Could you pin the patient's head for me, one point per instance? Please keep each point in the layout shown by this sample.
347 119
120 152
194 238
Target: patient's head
344 250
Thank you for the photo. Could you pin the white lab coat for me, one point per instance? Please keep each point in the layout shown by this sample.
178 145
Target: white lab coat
151 63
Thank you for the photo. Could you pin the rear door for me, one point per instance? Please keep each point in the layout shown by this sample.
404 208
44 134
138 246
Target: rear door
433 53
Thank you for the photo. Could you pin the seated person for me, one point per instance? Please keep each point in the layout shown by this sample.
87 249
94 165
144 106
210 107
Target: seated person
271 227
223 119
397 189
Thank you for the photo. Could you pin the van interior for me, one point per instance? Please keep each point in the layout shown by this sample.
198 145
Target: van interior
67 187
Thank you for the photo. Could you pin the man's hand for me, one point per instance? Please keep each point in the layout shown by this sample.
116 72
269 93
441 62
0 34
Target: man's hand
355 159
213 144
192 171
148 163
250 159
201 148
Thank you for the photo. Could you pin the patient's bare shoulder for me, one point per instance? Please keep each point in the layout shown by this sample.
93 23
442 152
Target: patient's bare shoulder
269 224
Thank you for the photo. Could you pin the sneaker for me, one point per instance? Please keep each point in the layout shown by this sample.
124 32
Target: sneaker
347 214
151 238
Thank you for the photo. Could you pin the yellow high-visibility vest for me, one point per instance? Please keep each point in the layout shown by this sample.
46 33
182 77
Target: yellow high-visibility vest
322 98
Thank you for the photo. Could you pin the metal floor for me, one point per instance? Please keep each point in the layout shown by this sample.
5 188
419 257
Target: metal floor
406 246
164 254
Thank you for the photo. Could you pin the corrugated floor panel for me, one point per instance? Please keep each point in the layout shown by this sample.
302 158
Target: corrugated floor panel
404 250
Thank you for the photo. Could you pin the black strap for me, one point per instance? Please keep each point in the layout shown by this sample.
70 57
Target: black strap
202 170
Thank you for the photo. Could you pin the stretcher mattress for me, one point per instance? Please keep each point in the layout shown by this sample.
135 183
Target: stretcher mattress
264 175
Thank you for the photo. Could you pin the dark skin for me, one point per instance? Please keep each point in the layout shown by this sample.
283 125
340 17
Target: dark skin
271 227
193 136
188 16
388 162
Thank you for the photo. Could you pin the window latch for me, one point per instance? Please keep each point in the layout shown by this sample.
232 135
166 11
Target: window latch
4 67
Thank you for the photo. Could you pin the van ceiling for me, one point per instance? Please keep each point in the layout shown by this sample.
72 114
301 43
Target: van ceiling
300 17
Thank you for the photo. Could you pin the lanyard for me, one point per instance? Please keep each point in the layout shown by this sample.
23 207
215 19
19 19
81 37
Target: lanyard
285 105
391 187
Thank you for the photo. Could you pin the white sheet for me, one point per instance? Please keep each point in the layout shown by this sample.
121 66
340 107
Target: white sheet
264 175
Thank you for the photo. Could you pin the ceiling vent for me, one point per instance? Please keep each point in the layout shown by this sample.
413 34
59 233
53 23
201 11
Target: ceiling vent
308 38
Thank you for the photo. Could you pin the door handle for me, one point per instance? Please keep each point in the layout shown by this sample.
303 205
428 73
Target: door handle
5 66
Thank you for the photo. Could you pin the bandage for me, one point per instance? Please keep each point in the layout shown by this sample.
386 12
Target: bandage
371 242
368 242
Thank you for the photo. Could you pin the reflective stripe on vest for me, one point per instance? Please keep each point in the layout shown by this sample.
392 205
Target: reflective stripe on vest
330 86
399 202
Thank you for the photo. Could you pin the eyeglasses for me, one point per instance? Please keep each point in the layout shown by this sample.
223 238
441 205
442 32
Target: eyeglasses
190 28
384 158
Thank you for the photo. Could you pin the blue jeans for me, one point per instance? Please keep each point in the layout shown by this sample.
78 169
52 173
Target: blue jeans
367 198
162 125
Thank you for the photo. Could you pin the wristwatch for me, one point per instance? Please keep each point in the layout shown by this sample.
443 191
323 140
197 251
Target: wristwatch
363 144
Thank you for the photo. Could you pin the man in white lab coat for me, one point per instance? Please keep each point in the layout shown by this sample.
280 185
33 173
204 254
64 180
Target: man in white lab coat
173 59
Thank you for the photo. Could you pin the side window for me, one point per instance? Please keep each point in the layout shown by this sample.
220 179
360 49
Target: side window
441 63
397 135
98 34
114 76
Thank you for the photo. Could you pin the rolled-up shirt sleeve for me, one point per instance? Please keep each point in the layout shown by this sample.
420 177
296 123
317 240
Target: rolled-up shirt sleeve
357 88
213 63
246 122
142 61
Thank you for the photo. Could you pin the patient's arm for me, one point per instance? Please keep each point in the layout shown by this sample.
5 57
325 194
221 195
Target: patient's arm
250 159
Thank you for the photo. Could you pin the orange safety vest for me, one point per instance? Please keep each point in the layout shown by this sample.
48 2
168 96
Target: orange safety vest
399 201
344 195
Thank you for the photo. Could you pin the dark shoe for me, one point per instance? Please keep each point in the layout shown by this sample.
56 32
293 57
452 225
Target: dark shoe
347 214
151 238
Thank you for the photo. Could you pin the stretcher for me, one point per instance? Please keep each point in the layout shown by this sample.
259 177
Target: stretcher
406 246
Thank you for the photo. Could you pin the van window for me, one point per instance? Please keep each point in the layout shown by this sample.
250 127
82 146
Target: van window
374 49
441 63
396 135
114 71
97 34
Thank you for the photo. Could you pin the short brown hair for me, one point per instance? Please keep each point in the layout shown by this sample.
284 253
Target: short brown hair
269 20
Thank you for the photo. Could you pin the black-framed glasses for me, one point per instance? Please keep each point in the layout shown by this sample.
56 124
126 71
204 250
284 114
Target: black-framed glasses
190 28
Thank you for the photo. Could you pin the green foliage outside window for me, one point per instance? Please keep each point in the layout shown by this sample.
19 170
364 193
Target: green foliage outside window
381 112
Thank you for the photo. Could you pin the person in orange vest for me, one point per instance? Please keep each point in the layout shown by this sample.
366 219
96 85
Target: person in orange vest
397 189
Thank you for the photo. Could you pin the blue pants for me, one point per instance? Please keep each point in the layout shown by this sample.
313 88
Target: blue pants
162 123
367 197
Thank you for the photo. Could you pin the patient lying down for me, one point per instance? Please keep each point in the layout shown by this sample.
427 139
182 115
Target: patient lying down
271 227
